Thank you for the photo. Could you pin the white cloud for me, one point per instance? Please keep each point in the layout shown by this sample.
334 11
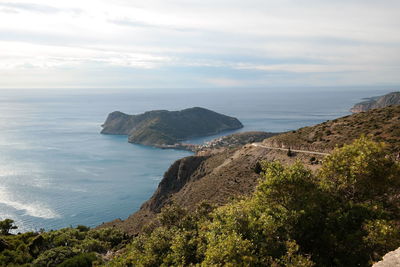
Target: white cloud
336 39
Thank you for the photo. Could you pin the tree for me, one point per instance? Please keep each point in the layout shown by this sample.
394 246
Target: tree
6 226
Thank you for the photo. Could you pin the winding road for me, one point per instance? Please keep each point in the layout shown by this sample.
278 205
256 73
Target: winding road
286 149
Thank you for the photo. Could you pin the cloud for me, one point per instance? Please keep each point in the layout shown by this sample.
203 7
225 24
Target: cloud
32 7
140 24
205 43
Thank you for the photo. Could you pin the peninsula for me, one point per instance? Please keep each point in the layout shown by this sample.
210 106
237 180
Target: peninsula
162 128
391 99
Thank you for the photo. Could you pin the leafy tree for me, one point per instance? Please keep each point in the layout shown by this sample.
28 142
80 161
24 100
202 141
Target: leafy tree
362 171
6 226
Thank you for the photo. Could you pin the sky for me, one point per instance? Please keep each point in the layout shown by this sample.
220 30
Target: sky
198 43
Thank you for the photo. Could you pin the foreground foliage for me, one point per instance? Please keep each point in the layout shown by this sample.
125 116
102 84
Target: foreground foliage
346 214
68 247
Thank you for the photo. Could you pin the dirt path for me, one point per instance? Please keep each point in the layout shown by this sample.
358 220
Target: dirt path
293 150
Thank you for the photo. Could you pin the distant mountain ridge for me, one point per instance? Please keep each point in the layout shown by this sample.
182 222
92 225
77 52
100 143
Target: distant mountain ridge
163 127
377 102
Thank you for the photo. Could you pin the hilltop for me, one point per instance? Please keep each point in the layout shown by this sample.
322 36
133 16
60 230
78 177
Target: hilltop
381 124
377 102
162 127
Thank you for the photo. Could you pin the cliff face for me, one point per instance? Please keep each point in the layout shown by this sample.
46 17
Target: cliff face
177 176
377 102
162 127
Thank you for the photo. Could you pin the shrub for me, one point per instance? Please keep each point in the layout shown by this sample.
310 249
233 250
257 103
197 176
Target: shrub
6 226
81 260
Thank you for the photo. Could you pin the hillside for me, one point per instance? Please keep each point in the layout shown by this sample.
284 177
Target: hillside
162 127
227 173
382 124
377 102
305 210
216 178
344 214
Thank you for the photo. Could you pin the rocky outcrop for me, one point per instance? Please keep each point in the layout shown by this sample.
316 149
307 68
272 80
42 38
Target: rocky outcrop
377 102
162 127
391 259
177 176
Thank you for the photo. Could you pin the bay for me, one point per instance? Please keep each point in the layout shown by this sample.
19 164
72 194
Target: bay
57 170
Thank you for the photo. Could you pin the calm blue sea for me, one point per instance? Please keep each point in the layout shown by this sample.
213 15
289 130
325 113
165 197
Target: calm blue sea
57 170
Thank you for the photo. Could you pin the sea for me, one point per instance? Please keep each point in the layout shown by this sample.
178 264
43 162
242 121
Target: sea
57 170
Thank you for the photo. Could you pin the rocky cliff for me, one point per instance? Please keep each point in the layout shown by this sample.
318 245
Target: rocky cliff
377 102
162 127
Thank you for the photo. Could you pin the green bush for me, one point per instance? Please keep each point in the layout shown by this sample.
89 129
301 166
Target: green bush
81 260
54 247
6 226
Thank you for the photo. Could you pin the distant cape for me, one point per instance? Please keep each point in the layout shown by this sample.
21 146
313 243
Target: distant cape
163 127
377 102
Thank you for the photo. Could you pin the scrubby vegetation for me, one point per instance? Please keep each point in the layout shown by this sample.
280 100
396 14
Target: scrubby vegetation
345 214
68 247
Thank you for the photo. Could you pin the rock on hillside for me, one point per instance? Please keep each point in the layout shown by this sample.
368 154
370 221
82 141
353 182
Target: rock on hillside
162 127
377 102
391 259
